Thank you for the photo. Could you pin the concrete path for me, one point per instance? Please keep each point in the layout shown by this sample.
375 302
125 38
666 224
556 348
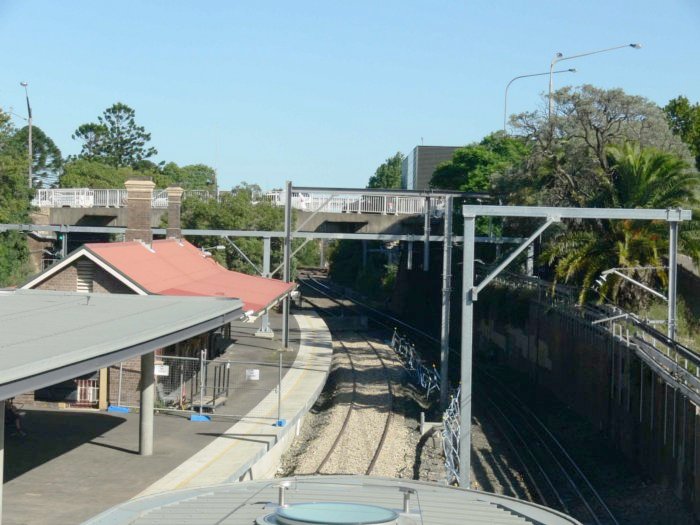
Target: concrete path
76 464
236 454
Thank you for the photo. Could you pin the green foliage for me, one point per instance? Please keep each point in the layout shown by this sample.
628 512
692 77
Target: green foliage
191 177
638 178
473 166
47 162
388 175
115 139
375 280
84 173
240 211
14 206
684 120
569 152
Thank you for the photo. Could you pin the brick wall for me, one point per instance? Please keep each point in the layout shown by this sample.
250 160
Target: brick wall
65 280
104 282
138 216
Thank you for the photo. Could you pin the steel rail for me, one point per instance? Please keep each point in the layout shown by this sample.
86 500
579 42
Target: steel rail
528 416
496 423
390 412
531 453
347 414
372 310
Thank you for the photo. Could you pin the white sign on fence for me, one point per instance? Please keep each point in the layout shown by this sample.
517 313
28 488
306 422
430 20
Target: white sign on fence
252 374
161 370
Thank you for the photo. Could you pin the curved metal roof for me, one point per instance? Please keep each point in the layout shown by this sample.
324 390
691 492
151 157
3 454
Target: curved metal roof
244 503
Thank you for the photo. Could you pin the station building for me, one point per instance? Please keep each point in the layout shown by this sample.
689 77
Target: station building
143 266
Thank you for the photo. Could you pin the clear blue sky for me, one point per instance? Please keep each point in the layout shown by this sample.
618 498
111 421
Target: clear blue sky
322 92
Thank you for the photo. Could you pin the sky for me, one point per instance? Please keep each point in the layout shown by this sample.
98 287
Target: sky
321 93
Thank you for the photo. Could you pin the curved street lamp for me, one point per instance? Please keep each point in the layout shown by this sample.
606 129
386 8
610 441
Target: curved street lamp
559 57
25 84
505 100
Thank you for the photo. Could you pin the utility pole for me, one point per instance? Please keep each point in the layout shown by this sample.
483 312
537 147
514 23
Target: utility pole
672 277
29 140
446 292
287 252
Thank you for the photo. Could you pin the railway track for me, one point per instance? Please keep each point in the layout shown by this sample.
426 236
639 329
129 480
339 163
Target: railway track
364 358
355 421
556 479
553 474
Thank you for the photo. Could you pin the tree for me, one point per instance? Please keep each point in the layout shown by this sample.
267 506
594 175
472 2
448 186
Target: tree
239 210
473 166
191 177
115 139
15 196
684 120
85 173
569 152
640 178
47 162
388 175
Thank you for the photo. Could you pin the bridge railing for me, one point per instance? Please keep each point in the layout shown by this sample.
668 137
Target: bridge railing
359 203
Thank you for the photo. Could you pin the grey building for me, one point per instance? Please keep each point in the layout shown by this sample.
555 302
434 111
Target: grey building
419 165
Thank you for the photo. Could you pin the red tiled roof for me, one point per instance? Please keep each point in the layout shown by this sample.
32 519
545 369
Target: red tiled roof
172 267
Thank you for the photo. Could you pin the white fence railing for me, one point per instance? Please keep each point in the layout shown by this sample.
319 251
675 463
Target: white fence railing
324 202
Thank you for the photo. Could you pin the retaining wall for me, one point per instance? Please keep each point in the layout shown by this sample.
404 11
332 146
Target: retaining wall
603 380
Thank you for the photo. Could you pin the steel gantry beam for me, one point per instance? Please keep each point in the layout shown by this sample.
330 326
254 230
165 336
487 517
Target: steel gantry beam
470 292
263 234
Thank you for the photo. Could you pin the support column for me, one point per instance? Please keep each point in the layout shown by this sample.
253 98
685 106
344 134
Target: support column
146 405
409 259
2 452
672 277
103 396
364 253
426 231
322 253
465 400
64 245
265 330
531 260
446 291
287 252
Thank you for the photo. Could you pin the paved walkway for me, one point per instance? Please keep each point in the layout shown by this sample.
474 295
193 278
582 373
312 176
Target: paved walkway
76 464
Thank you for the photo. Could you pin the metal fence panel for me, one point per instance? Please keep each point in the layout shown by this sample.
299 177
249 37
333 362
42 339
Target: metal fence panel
224 388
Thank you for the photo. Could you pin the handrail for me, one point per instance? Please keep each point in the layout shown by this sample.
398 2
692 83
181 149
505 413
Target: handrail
325 202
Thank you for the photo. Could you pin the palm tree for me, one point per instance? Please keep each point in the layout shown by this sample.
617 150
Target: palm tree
638 178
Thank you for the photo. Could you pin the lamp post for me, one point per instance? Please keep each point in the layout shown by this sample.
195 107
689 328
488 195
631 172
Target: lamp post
206 251
559 57
24 84
604 275
505 98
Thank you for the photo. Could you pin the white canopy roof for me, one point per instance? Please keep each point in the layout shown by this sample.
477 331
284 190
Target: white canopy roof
49 337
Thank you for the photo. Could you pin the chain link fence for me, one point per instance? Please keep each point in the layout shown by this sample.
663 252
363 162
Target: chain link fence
450 439
426 377
223 388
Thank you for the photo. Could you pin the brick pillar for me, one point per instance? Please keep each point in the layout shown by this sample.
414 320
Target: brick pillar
174 202
138 218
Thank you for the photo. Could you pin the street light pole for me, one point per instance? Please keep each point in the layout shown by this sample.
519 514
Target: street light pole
505 99
29 120
559 57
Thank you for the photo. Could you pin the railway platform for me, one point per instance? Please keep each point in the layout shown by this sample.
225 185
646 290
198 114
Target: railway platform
75 464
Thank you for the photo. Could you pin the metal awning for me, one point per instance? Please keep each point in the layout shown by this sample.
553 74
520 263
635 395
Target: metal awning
49 337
